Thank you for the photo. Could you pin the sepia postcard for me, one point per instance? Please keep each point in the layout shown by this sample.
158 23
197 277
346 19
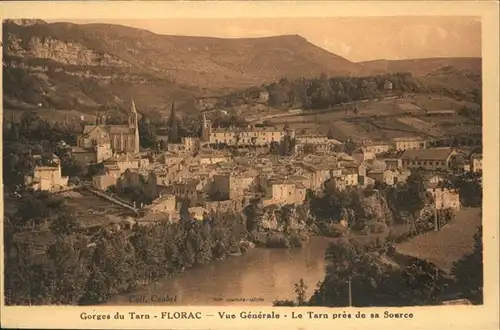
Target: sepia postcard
227 164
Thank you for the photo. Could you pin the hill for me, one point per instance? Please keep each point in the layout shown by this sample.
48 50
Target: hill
419 67
66 65
82 67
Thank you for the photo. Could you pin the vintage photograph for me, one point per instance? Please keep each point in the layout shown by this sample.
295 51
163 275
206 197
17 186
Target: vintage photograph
323 162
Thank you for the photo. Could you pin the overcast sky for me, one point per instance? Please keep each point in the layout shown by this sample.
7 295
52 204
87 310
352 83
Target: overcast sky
357 39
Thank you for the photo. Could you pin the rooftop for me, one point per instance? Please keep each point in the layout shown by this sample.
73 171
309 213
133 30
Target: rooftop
408 138
428 154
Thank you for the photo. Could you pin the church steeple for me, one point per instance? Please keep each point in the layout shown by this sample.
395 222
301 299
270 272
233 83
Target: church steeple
206 128
132 117
133 124
133 109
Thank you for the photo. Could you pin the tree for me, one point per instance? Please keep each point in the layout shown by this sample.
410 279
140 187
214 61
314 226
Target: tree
342 260
147 133
64 224
253 214
424 283
468 271
300 290
350 146
287 146
64 271
415 196
19 275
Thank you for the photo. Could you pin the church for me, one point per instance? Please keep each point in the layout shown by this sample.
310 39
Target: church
121 138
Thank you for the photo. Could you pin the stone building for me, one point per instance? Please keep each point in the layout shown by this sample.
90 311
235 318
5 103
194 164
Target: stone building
388 176
93 155
232 186
284 192
476 162
445 198
107 179
409 143
121 138
376 147
251 136
430 159
47 178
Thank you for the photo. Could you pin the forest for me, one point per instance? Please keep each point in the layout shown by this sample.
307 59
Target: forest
88 267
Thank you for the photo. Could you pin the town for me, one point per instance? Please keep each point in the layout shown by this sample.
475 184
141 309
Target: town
131 175
212 179
255 171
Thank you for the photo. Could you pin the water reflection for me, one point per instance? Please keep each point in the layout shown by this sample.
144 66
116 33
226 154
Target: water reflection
267 274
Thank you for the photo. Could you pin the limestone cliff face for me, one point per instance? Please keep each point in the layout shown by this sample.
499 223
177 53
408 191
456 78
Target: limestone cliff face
72 53
279 219
58 64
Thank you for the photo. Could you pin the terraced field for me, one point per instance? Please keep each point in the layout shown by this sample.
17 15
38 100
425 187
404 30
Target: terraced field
386 119
435 102
421 125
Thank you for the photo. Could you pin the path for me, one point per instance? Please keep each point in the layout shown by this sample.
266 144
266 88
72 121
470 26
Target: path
113 199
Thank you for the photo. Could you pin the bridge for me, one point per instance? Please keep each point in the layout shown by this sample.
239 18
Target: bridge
113 199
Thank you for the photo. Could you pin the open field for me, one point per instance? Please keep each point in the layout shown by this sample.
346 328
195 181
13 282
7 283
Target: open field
342 130
448 245
463 129
421 125
436 102
447 120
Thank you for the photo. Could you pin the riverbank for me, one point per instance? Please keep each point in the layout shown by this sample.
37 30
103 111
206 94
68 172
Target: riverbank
276 239
221 282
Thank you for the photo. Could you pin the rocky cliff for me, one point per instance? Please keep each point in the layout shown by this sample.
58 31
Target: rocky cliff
67 66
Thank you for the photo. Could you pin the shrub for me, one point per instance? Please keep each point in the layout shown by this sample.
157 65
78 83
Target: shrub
377 227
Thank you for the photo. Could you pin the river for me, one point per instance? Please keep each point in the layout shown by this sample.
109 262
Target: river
260 275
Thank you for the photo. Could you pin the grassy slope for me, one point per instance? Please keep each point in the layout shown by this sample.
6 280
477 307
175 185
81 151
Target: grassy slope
447 245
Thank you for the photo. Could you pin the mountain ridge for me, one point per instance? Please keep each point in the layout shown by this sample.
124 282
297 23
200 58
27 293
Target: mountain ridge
69 65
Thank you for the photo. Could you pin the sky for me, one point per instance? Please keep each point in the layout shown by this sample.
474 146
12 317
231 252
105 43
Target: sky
355 38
